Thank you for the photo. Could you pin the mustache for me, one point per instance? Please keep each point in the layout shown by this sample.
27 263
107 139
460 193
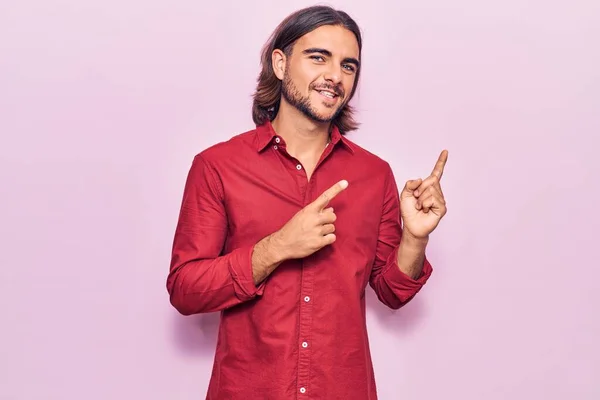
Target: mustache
335 89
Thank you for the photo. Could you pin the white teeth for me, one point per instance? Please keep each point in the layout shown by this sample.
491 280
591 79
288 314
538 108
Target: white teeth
328 94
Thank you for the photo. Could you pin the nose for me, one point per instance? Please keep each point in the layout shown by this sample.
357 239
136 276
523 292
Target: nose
334 74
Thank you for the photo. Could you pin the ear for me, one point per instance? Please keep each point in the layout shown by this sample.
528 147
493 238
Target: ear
279 62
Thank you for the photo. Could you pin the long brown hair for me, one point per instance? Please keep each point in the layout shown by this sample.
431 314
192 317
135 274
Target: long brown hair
268 90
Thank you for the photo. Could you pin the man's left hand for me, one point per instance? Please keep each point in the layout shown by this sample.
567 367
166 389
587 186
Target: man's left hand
422 202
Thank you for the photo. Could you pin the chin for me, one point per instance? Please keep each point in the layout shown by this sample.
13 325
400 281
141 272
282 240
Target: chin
322 116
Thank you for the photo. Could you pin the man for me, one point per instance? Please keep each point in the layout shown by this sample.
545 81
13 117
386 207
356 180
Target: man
282 227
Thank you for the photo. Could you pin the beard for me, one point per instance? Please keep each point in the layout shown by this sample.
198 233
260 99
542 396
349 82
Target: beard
292 95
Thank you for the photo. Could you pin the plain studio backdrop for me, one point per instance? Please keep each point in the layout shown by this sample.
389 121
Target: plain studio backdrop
103 105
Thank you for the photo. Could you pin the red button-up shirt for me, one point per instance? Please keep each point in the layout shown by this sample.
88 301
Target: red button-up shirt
301 333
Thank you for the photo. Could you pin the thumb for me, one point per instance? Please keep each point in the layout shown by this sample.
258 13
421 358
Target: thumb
412 185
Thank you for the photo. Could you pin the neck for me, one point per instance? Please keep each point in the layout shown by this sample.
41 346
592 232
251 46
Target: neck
301 135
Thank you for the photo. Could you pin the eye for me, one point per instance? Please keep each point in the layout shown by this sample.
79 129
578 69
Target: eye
318 58
349 67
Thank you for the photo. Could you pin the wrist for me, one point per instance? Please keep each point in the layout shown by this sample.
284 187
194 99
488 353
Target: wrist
276 249
411 240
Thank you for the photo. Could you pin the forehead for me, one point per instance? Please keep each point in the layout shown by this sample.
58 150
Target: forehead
337 39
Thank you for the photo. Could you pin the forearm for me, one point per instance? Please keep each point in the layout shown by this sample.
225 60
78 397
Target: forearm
411 254
199 283
266 257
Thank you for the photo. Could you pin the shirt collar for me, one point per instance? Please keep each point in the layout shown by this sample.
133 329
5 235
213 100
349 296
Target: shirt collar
265 135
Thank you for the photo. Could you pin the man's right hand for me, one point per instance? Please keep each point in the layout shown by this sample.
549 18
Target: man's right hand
311 228
308 231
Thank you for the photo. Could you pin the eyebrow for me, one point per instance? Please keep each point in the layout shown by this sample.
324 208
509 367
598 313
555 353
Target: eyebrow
325 52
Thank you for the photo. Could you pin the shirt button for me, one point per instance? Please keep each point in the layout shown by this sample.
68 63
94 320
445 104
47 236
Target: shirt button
275 147
304 344
307 299
277 140
302 390
298 167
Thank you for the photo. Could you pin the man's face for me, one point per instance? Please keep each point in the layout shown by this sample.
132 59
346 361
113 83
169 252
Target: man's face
321 72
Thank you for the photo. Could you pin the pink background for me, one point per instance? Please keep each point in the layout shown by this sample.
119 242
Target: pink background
103 104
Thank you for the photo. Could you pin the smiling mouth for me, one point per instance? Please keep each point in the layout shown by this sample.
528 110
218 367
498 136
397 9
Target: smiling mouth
328 94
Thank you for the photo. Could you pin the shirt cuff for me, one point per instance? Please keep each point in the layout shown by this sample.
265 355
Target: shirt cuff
240 268
402 284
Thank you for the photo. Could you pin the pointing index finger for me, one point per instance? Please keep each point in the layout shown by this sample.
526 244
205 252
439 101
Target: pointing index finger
438 170
323 200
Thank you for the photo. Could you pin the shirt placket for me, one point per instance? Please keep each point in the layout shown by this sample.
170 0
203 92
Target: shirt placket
306 305
305 325
307 278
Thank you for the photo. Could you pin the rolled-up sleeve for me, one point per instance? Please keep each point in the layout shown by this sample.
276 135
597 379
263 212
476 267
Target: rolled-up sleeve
393 287
201 278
